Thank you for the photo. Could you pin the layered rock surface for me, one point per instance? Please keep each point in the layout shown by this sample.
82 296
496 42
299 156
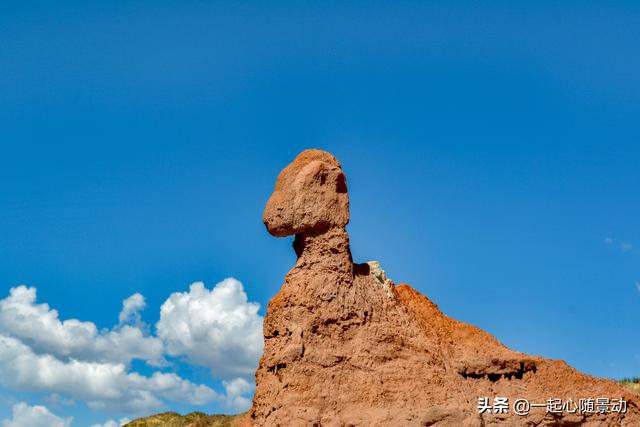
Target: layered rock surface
345 346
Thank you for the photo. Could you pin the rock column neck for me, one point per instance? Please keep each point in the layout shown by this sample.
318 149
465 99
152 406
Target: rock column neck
327 250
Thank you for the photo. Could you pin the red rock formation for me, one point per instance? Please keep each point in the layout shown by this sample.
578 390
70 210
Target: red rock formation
345 346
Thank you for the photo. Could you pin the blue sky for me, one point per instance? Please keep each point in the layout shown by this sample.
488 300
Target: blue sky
491 153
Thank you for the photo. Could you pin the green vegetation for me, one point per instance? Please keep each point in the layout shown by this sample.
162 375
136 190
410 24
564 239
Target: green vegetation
632 384
194 419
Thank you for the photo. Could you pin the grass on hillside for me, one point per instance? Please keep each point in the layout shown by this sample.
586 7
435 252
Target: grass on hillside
632 384
194 419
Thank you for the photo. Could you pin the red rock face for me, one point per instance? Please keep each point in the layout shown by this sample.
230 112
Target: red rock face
345 346
310 195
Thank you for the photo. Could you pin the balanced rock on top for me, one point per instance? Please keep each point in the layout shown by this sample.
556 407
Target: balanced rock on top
310 194
345 346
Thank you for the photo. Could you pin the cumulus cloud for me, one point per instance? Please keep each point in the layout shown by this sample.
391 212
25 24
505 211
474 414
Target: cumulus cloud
113 423
219 328
39 326
35 416
130 313
101 385
69 360
236 392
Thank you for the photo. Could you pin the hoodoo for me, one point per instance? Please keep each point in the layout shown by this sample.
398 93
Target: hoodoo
345 346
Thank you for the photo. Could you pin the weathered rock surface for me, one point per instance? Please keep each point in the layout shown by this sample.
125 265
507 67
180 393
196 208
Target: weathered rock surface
345 346
310 196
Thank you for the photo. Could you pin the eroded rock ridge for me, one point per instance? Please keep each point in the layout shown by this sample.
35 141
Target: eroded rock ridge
345 346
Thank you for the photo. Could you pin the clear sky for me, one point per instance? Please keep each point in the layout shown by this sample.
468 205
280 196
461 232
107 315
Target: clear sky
492 155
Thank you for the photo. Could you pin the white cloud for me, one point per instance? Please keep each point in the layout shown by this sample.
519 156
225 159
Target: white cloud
35 416
218 329
70 360
130 313
113 423
101 385
39 326
638 286
624 247
236 392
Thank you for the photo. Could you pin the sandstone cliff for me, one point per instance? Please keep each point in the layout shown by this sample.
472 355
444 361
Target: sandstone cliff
345 346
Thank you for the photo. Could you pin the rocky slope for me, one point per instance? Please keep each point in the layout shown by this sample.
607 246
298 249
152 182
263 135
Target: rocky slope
345 346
